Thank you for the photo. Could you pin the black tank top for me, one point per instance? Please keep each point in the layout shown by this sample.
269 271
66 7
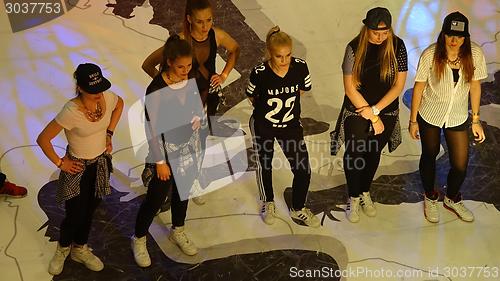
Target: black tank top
204 53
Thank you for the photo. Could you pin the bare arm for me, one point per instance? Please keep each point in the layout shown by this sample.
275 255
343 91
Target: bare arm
115 115
233 48
394 92
152 61
45 138
416 99
475 102
475 96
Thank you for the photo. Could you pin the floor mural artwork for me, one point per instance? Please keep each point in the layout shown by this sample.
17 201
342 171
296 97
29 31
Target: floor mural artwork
40 50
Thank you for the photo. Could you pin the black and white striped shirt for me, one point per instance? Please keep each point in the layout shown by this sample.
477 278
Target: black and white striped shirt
443 102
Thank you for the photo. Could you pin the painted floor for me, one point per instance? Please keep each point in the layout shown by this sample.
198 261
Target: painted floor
39 52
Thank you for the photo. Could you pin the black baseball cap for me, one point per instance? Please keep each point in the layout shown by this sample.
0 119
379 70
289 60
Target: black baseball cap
89 77
377 15
456 24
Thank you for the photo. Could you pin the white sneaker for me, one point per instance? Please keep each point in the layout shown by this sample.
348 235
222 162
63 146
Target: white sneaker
83 254
458 208
268 212
306 216
140 251
57 262
195 190
178 237
367 204
431 211
352 209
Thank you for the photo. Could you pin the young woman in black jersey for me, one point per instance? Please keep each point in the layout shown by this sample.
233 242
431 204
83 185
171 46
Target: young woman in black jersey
173 161
274 90
374 67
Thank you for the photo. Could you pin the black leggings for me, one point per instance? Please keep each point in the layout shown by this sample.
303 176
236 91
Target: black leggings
362 151
457 141
155 197
79 210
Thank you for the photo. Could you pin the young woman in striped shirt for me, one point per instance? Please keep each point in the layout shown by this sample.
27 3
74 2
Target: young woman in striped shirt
447 71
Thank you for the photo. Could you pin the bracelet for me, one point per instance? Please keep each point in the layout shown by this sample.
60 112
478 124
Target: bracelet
477 122
61 161
376 119
413 123
109 132
475 113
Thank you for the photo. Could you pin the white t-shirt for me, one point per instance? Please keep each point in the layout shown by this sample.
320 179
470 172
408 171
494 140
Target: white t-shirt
443 102
86 139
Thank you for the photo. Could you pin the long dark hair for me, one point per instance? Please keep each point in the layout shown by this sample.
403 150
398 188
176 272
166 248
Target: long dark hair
191 6
174 48
441 58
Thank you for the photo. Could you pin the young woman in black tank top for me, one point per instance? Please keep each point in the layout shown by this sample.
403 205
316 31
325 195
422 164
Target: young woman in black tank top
204 39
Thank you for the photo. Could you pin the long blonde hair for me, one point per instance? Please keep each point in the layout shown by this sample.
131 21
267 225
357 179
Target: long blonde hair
276 37
387 55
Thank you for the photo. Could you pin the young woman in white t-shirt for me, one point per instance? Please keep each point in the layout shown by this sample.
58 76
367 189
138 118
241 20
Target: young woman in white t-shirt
88 121
447 72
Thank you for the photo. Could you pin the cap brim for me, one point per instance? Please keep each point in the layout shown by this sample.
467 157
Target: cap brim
457 33
372 27
99 88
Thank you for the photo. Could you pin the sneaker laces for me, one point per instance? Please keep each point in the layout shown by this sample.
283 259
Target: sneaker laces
141 246
85 252
268 207
460 207
366 199
181 237
308 213
62 252
433 206
349 206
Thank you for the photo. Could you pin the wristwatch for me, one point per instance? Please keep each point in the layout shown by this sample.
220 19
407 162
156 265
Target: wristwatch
375 110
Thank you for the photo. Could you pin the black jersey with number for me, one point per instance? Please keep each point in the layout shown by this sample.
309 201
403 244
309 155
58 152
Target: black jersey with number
277 99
